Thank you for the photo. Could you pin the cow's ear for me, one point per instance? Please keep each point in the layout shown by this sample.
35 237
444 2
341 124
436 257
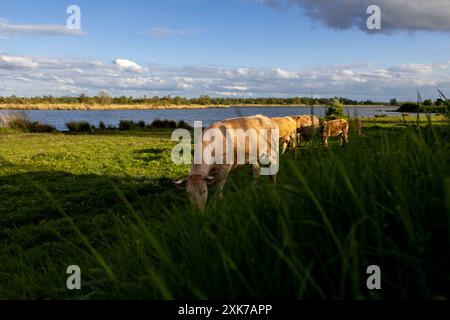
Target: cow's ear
180 184
210 179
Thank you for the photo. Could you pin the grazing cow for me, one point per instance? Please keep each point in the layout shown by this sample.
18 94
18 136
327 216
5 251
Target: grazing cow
203 174
306 127
288 132
306 121
305 134
335 128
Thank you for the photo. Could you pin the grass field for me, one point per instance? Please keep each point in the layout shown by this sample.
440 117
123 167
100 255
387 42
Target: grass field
105 202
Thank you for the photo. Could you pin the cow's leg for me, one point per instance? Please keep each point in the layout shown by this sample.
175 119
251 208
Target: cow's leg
325 144
299 137
256 170
341 139
222 176
294 140
284 146
346 137
273 178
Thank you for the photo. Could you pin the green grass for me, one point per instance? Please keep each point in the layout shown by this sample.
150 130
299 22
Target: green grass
387 121
106 203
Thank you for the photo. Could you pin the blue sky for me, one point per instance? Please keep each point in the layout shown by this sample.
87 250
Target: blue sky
224 48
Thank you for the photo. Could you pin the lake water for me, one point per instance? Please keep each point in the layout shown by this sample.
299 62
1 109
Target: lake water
59 118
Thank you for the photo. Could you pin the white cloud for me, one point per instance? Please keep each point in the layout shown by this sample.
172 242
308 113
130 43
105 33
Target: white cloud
130 66
412 68
12 62
284 74
236 88
8 29
162 32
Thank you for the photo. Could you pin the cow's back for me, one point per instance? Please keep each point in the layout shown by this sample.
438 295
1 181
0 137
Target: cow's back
286 125
336 127
306 121
254 123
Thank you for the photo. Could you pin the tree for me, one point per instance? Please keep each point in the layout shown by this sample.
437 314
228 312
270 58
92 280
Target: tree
335 110
428 103
104 97
394 102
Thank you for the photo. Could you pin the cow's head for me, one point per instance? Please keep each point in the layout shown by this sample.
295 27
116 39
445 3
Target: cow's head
196 186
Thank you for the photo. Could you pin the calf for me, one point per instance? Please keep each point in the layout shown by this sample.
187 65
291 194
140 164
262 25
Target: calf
335 128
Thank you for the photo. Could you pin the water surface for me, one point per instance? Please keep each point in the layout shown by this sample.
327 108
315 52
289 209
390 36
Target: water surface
59 118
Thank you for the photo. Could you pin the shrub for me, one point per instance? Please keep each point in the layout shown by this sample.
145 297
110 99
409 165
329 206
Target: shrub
17 120
409 107
79 126
20 121
439 103
158 123
184 125
126 125
42 128
335 110
101 126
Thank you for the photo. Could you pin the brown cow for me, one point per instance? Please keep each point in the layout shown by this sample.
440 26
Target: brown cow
306 121
305 134
306 127
203 174
335 128
288 132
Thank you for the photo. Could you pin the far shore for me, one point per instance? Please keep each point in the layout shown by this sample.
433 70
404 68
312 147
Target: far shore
156 107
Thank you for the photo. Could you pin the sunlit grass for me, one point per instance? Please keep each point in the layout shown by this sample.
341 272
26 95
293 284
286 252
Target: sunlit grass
105 202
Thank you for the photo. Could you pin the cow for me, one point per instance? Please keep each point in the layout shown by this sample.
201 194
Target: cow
305 134
306 121
306 126
288 132
202 175
334 128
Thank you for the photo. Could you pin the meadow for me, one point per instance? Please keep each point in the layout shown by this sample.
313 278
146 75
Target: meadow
105 201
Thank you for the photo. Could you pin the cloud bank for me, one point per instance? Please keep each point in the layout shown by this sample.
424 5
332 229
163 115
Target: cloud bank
43 76
397 15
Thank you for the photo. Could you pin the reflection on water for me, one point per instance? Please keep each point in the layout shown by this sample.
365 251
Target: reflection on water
58 118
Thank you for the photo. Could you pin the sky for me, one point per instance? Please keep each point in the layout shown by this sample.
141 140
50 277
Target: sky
226 48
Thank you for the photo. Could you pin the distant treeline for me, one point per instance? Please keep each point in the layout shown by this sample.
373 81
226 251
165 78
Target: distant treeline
105 99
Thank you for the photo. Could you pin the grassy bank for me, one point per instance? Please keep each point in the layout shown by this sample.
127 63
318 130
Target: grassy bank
105 202
82 106
406 120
